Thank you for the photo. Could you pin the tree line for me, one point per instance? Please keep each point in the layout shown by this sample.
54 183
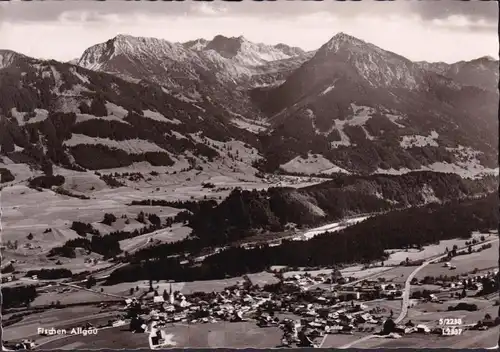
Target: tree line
364 242
18 296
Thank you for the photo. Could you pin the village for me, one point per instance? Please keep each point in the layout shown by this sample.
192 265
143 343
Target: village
300 308
306 308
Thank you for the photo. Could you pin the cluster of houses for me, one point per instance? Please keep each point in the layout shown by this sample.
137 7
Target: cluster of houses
304 307
299 306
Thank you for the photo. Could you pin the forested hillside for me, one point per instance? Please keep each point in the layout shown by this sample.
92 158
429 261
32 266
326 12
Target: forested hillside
362 242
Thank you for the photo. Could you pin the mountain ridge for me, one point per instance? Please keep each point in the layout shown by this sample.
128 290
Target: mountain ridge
348 106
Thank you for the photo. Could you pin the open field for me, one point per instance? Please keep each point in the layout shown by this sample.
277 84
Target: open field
397 274
487 259
397 255
233 335
23 212
430 313
386 306
118 337
70 297
27 262
189 287
355 271
224 334
175 233
57 318
468 339
339 340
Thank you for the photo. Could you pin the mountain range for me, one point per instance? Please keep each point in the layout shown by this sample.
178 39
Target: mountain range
348 107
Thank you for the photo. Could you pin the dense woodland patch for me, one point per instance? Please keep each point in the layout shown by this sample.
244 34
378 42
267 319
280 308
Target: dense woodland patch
362 242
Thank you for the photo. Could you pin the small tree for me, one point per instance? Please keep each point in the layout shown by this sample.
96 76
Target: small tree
389 326
90 282
109 219
30 236
141 217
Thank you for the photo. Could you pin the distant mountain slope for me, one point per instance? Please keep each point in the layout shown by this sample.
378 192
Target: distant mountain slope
52 112
367 110
244 52
481 72
342 197
348 107
216 70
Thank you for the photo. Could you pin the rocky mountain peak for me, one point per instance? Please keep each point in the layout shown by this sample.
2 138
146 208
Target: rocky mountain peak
341 40
226 47
8 57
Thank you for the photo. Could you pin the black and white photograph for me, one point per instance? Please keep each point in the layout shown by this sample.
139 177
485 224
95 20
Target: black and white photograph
249 174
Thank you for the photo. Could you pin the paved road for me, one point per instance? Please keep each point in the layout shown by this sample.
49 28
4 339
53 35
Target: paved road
406 293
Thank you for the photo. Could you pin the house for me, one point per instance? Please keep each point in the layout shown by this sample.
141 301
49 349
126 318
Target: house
347 295
158 299
118 323
421 328
433 298
402 329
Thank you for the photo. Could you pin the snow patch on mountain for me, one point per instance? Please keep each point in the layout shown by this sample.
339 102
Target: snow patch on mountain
178 135
232 149
40 115
194 97
159 117
86 117
312 165
394 119
131 146
361 114
268 85
470 171
116 110
465 154
419 141
250 125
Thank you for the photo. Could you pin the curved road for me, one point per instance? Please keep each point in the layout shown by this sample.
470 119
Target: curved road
406 295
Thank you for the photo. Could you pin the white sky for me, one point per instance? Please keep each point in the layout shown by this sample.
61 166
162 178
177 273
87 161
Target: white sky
65 35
